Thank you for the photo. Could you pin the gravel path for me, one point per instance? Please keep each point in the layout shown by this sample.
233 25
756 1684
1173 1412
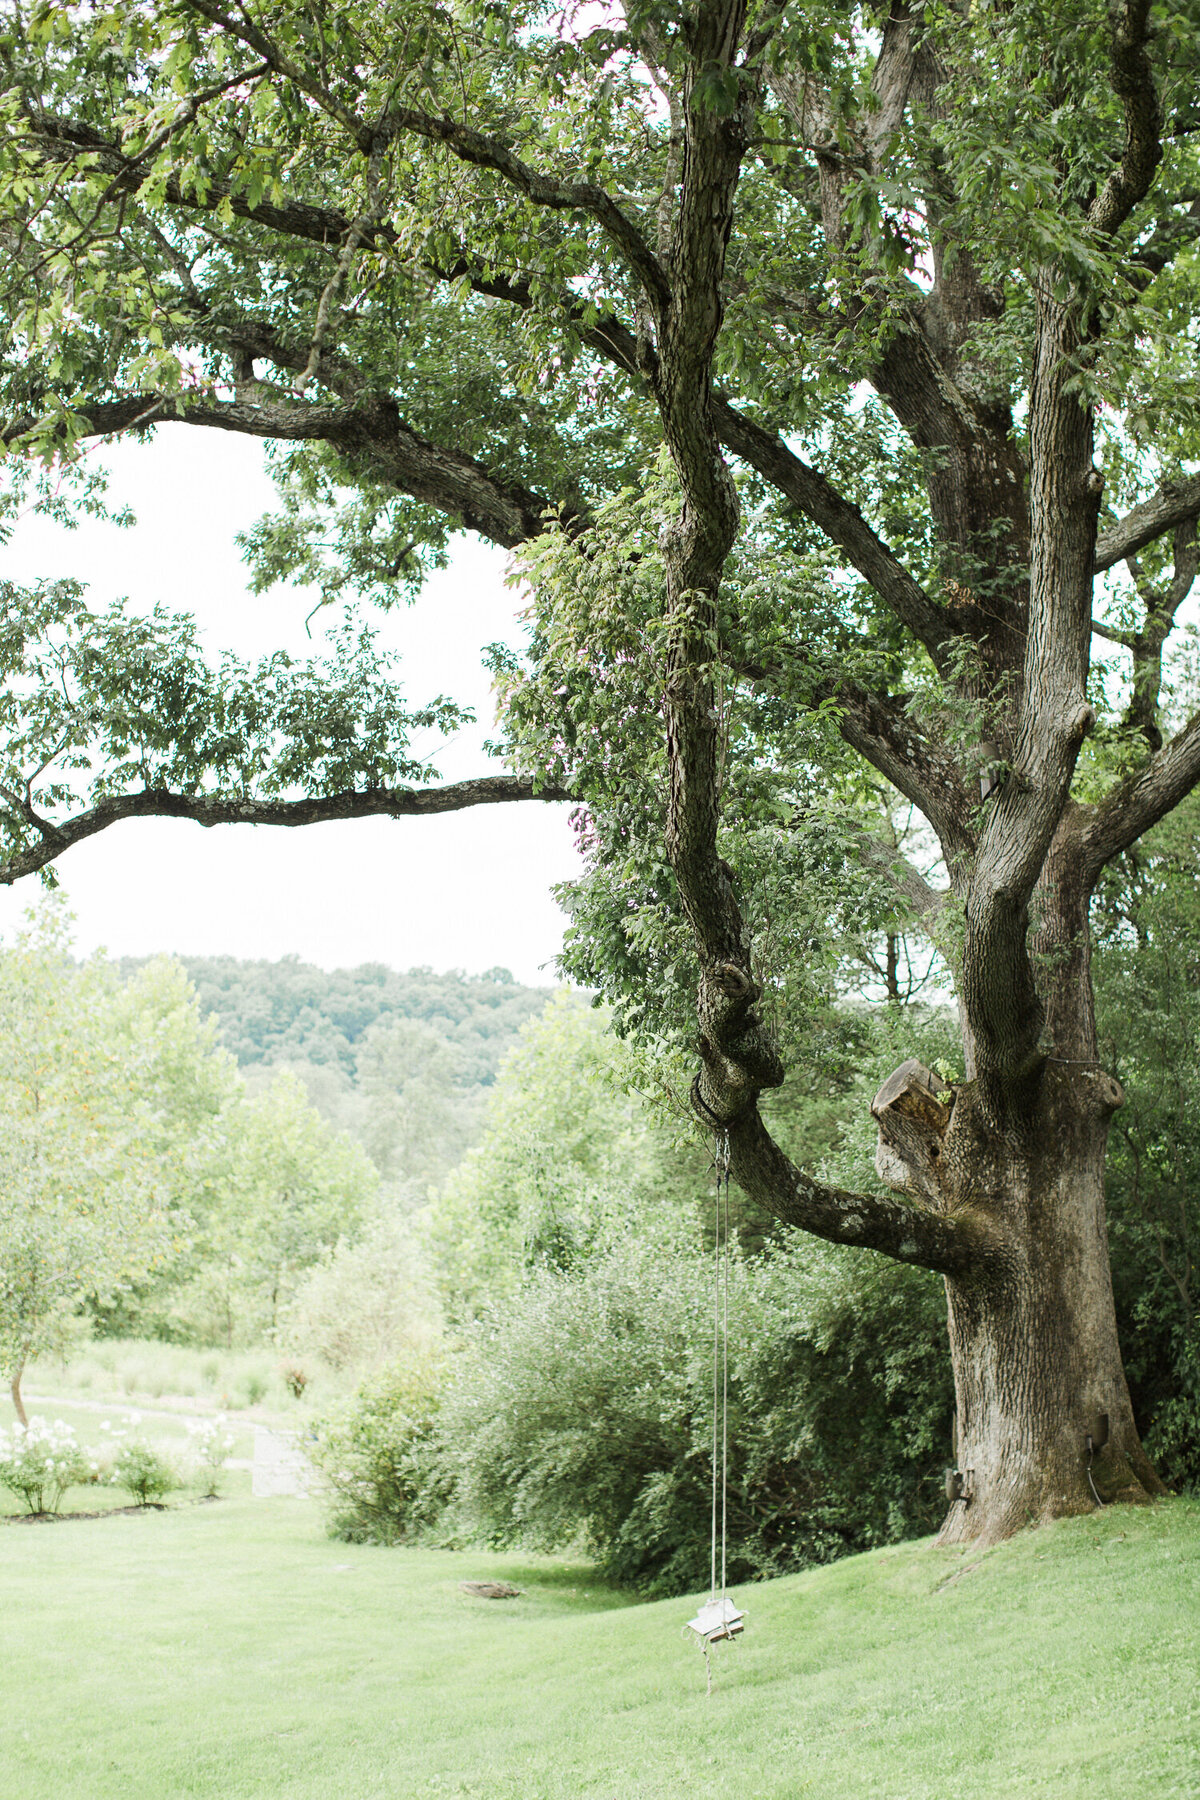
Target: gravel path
279 1466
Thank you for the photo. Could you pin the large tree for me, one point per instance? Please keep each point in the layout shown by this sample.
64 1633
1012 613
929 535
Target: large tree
620 283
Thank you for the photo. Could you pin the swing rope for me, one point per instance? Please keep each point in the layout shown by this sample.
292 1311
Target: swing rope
720 1361
718 1619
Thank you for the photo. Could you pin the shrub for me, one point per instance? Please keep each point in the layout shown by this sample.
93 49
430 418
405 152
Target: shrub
586 1410
210 1445
294 1378
141 1470
366 1305
379 1457
254 1388
39 1462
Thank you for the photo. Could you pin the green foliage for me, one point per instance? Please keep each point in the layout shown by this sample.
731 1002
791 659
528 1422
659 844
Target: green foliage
569 1144
294 1013
400 1062
798 812
282 1190
96 704
142 1470
89 1184
1148 1014
585 1408
367 1302
379 1460
140 1178
210 1444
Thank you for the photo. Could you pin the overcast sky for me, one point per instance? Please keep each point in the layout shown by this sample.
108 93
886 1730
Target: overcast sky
468 890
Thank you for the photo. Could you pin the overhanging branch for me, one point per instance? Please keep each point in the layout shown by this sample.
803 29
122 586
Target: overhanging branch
226 809
504 511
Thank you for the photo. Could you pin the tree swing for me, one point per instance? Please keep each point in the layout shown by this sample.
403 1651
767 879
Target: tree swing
719 1620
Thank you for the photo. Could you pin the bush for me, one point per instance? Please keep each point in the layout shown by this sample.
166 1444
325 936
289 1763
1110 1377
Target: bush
379 1459
586 1410
210 1445
39 1462
583 1411
294 1379
141 1470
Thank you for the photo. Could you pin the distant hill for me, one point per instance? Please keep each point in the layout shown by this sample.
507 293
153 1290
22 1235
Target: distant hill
401 1059
292 1012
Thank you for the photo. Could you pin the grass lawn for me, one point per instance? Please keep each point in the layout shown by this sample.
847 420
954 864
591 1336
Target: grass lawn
232 1650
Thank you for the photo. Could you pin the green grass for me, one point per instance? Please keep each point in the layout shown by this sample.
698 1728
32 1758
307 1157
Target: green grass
234 1651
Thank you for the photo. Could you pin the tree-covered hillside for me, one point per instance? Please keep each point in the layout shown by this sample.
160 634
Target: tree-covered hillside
400 1060
292 1012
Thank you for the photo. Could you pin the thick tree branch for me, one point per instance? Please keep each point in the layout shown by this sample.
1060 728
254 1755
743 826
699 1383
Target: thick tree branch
1174 502
1142 799
921 902
882 732
998 982
503 511
220 809
905 1230
1134 85
543 190
841 521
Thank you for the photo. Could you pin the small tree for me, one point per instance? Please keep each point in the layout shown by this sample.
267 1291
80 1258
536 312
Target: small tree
83 1196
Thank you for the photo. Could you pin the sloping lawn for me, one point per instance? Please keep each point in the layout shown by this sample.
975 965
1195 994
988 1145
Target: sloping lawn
232 1650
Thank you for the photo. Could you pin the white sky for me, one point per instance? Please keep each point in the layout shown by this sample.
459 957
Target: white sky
465 890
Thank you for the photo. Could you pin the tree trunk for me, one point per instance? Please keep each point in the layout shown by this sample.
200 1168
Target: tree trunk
15 1390
1044 1422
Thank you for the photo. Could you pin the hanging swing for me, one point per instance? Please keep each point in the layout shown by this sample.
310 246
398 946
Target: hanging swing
719 1620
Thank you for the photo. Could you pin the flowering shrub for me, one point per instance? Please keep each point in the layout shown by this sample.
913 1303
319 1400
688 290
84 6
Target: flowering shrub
211 1444
141 1470
39 1462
